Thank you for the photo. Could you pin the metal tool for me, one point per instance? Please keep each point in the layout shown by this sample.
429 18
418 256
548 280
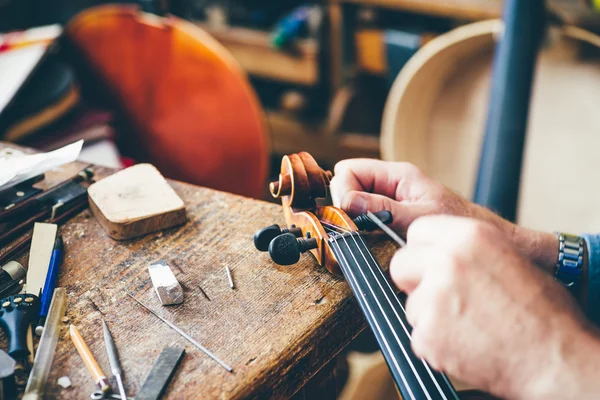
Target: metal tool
386 229
113 358
231 285
185 335
47 347
11 278
161 373
100 395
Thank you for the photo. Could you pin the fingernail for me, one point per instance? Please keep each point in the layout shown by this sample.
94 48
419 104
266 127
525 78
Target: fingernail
358 205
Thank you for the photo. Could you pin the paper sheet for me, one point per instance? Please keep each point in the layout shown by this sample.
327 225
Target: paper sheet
18 168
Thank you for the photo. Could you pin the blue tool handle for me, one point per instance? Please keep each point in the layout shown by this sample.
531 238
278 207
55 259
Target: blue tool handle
50 283
16 315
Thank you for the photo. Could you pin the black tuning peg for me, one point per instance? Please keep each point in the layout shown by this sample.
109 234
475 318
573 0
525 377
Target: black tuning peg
263 238
286 249
364 223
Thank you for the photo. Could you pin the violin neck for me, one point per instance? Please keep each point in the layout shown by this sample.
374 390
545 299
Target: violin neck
386 316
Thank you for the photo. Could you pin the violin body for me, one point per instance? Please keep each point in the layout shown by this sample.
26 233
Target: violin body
336 243
189 107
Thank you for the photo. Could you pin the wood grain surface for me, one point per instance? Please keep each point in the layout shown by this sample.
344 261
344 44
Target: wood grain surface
276 329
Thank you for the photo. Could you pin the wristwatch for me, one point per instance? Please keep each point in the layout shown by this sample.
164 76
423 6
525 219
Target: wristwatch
570 259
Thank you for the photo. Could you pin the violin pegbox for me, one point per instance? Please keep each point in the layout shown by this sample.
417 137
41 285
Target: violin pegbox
301 182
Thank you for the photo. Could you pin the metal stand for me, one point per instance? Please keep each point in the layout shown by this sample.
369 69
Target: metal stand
514 65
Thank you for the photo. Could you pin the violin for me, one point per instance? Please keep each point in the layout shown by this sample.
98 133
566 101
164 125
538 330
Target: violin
336 242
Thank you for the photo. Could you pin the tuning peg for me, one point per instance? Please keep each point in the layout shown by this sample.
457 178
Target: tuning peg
286 249
364 223
263 238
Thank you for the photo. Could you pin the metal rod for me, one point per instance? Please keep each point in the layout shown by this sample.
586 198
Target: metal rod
185 335
113 358
386 229
229 277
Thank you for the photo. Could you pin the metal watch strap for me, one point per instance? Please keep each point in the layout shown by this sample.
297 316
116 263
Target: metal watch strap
570 259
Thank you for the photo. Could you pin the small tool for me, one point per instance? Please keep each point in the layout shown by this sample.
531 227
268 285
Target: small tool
12 271
161 373
50 283
185 335
47 347
231 285
89 360
386 229
113 358
100 395
11 278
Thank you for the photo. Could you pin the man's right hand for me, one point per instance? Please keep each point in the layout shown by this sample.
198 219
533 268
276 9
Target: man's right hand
361 185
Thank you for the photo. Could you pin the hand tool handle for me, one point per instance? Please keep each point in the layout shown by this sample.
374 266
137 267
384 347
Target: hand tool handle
16 315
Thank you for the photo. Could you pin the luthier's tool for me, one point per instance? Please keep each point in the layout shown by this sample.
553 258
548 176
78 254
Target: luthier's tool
19 311
49 205
185 335
165 283
47 347
12 275
386 229
161 373
89 360
113 358
11 271
50 283
231 285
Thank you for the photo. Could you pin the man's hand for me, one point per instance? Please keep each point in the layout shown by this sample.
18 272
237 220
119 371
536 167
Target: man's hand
482 313
364 184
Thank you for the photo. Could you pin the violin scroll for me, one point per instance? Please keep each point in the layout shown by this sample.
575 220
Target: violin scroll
301 182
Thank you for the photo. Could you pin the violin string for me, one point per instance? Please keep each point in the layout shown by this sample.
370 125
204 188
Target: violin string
336 227
376 270
389 323
377 327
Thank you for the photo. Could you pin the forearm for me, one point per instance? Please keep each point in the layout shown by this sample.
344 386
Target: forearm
541 248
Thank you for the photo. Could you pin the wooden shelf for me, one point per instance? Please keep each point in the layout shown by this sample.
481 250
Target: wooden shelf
460 9
289 135
252 49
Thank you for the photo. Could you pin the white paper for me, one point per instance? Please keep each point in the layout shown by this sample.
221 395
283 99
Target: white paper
18 168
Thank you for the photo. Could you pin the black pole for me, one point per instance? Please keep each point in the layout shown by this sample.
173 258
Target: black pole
514 65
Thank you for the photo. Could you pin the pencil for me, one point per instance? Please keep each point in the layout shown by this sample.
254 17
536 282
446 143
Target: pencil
89 360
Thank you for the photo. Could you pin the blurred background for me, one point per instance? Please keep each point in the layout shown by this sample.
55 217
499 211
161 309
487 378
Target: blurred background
496 99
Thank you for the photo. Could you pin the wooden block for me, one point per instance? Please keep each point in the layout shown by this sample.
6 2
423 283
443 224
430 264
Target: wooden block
135 201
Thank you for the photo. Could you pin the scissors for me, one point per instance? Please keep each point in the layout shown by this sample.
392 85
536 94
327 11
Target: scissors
100 395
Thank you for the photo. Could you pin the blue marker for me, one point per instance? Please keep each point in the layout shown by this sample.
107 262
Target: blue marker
50 283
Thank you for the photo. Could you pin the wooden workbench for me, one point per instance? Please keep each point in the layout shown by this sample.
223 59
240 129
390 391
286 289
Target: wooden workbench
277 329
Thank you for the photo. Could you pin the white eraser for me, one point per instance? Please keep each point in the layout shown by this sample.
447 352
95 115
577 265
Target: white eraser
167 287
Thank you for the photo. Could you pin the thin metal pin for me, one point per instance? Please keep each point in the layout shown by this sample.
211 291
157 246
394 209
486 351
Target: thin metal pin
386 229
229 277
185 335
204 293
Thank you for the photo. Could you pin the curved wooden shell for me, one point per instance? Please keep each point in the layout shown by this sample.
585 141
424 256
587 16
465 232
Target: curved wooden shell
193 112
301 182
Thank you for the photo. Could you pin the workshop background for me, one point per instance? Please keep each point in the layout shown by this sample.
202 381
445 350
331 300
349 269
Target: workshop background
218 93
